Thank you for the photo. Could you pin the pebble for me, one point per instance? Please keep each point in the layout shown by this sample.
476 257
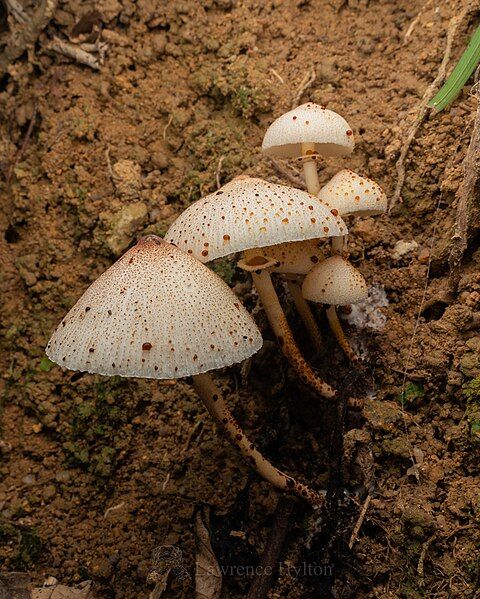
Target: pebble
63 476
49 492
124 225
102 568
29 480
402 248
424 256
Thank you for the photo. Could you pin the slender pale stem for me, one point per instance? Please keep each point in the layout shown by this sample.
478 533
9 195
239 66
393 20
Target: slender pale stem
340 334
338 244
212 397
310 169
306 313
279 324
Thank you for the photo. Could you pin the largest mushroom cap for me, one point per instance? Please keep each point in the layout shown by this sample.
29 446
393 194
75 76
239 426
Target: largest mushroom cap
156 313
336 282
308 123
251 213
350 193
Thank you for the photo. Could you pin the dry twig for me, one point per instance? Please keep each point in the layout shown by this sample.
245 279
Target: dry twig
271 555
414 22
466 194
27 34
423 106
17 11
165 129
423 553
305 84
278 76
288 173
75 52
359 523
219 171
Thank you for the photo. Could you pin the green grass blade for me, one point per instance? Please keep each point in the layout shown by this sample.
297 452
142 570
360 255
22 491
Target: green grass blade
460 74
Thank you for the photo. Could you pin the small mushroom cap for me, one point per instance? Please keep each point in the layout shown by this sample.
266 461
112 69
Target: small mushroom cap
336 282
156 313
350 193
251 213
308 123
290 258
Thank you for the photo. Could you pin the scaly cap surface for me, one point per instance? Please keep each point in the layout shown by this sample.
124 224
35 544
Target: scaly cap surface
155 313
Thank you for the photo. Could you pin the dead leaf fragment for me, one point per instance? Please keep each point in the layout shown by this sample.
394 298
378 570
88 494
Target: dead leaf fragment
60 591
208 577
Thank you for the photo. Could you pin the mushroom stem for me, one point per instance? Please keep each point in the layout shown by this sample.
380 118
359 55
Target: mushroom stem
310 169
338 244
279 324
212 397
339 333
306 313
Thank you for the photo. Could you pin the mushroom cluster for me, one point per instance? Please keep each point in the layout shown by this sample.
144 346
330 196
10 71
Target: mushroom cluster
309 133
159 312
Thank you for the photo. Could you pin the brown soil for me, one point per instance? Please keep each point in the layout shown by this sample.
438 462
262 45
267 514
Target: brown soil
184 97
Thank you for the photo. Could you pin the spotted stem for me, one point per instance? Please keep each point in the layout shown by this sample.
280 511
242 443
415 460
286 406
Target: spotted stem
212 397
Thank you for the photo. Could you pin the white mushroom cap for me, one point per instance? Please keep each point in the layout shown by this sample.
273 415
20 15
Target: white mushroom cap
308 123
290 258
350 193
251 213
336 282
156 313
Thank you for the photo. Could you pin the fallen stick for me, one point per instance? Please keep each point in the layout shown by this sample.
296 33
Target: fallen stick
359 523
27 34
75 52
16 9
423 106
421 561
271 555
305 84
292 176
466 194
